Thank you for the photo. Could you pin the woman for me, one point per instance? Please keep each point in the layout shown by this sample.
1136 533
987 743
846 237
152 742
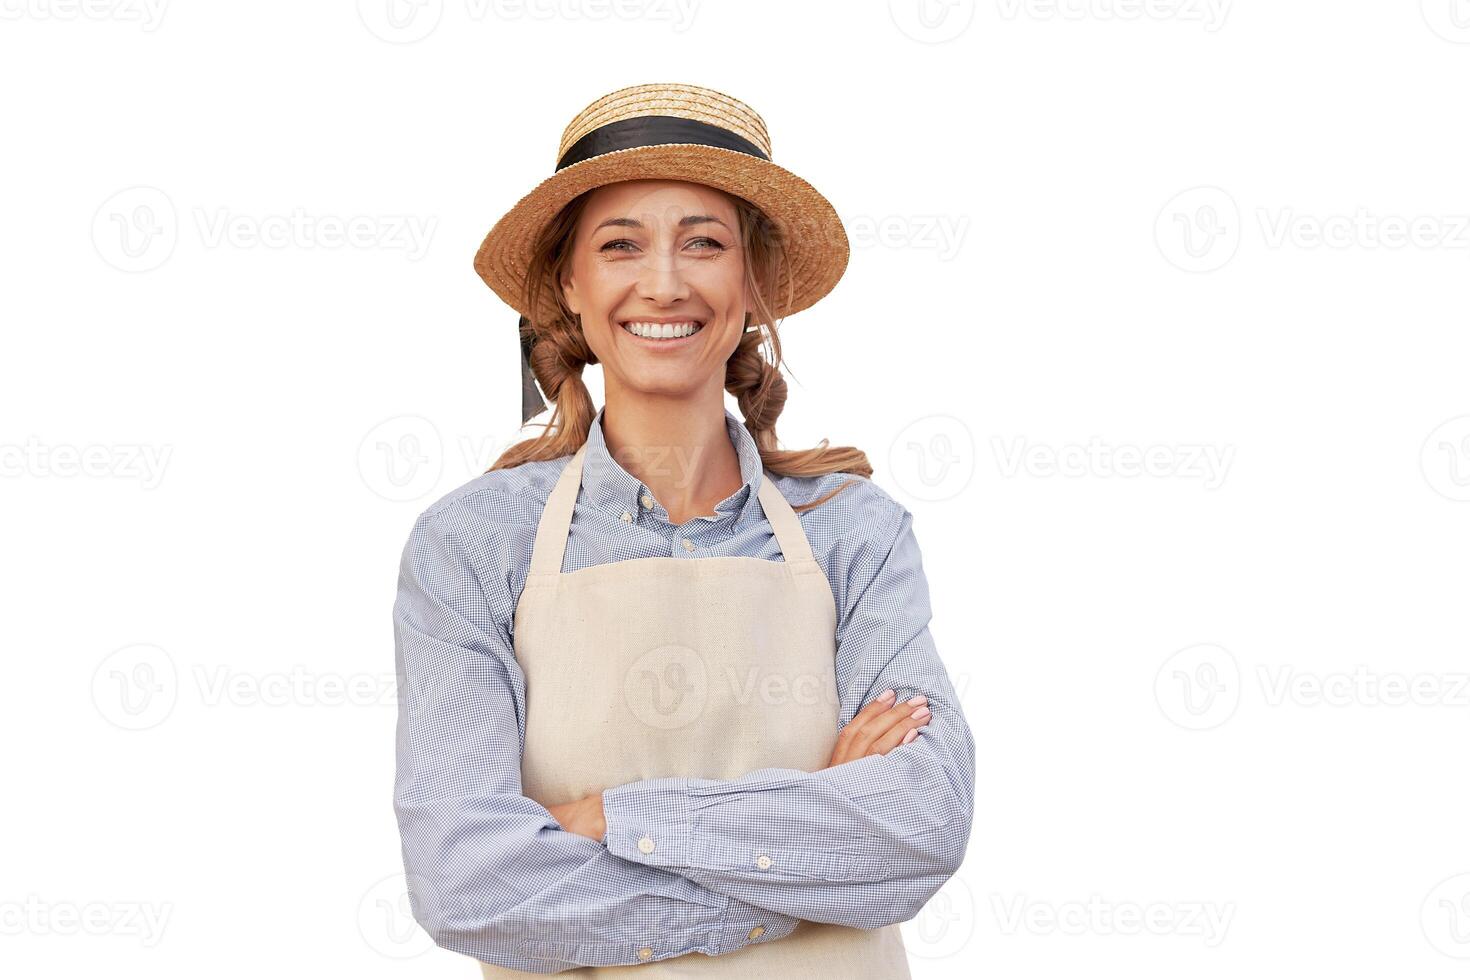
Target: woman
649 708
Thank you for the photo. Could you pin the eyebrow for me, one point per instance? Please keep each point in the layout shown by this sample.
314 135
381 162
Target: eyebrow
693 219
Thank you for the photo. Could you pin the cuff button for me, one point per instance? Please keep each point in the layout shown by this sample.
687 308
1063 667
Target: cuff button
757 932
645 953
763 862
646 845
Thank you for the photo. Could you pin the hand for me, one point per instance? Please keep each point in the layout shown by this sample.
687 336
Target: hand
880 726
582 816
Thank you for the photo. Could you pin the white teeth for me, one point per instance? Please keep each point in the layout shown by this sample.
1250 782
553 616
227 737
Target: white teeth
661 331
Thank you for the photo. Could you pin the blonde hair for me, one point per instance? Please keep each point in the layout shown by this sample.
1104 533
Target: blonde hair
561 352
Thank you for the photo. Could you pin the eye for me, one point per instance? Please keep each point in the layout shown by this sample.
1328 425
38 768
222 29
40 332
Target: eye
712 241
616 241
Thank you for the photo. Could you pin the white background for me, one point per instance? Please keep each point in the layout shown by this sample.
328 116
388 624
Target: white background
1220 703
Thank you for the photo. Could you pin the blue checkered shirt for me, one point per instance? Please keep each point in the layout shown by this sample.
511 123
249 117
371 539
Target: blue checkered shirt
493 875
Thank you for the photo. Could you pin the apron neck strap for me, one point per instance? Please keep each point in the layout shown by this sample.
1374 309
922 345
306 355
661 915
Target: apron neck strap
789 535
556 519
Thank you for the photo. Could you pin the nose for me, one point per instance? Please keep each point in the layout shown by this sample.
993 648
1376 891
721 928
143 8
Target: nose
661 279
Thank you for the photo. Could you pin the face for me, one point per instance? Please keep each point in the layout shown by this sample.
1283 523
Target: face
659 252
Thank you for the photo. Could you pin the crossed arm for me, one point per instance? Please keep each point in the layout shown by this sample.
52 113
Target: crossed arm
495 876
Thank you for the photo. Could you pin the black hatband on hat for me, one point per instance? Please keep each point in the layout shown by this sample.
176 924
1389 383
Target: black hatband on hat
654 131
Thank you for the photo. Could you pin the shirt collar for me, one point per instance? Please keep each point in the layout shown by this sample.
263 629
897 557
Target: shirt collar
615 490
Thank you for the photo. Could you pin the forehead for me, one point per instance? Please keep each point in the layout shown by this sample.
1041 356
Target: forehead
657 202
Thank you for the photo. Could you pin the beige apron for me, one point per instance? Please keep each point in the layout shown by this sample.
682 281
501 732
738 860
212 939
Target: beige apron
703 667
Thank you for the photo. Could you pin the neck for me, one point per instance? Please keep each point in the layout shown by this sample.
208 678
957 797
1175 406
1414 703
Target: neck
678 447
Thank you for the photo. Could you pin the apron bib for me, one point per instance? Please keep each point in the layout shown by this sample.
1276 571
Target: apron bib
702 667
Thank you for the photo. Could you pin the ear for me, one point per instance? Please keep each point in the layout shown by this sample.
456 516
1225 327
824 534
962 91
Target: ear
568 288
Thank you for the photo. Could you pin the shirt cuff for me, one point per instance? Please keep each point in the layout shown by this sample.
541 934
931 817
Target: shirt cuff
648 821
746 925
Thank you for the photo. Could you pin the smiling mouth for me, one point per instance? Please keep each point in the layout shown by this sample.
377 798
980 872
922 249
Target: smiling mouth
662 331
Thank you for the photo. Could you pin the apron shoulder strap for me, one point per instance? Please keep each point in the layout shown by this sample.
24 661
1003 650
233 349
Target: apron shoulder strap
793 541
556 519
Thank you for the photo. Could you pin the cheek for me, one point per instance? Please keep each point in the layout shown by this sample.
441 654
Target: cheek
603 280
721 284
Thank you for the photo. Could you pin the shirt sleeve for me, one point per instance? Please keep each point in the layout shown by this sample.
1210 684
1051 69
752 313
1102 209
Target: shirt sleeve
866 843
491 873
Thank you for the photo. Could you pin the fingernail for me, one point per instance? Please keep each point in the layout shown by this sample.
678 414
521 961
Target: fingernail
913 734
888 695
920 713
918 699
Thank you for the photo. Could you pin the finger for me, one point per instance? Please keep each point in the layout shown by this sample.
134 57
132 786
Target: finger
880 725
905 731
870 711
873 709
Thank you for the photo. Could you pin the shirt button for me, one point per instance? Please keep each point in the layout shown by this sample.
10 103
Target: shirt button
688 545
648 501
646 845
757 932
645 953
627 516
763 862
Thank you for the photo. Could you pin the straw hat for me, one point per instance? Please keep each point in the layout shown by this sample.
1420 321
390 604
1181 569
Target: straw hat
668 131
